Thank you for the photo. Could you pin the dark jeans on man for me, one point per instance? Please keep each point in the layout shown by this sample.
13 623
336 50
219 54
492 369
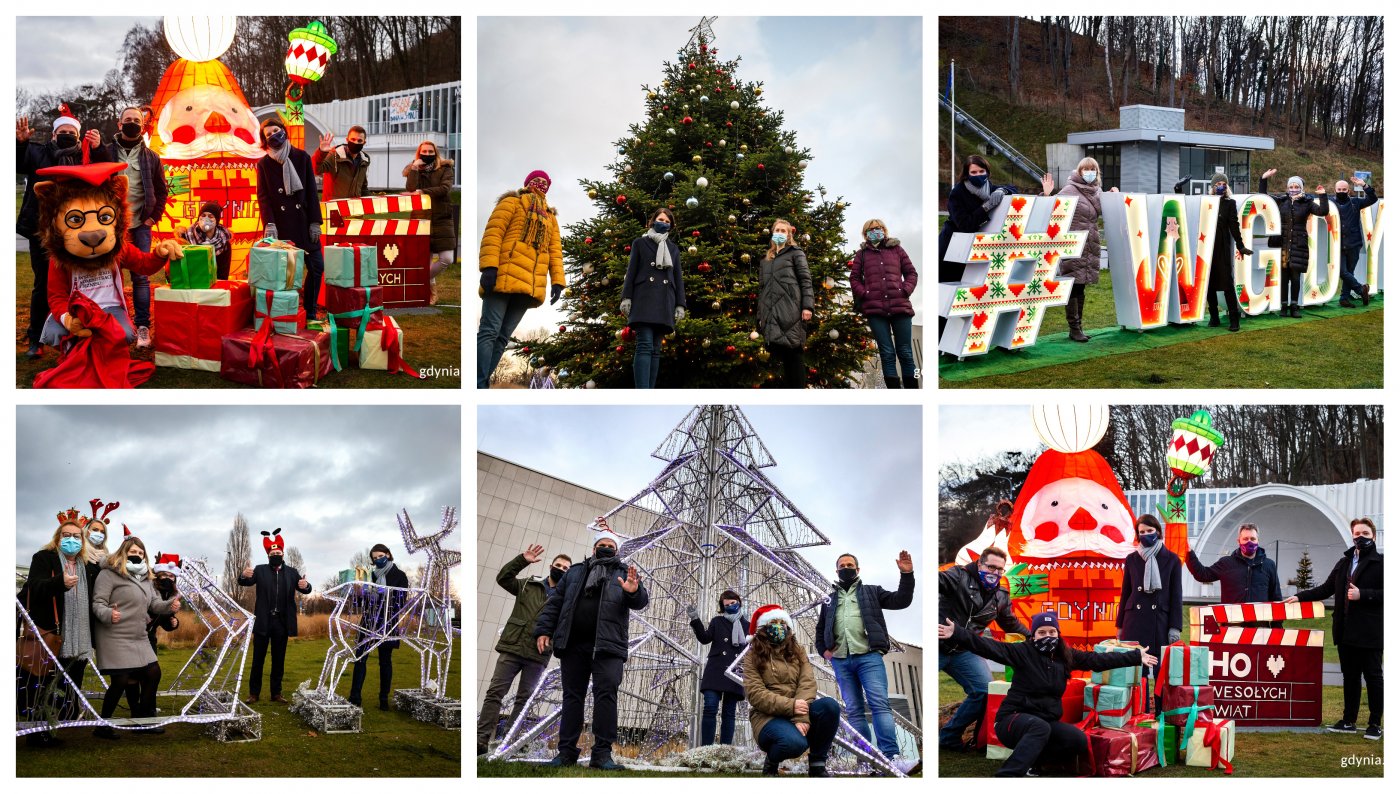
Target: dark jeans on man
576 666
646 360
971 673
1357 662
39 297
140 236
781 740
386 674
794 370
508 666
1350 283
277 638
1032 738
713 700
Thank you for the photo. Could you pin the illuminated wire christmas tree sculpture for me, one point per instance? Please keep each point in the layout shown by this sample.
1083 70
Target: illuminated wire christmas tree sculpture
710 520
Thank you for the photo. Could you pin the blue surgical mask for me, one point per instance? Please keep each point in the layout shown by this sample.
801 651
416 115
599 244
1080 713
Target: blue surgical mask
276 139
1148 539
731 609
661 227
1220 189
70 546
97 538
875 235
979 180
380 562
779 238
1090 176
989 579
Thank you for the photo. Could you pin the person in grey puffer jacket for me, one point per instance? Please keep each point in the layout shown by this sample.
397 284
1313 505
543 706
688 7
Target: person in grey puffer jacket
1083 185
122 600
882 279
785 303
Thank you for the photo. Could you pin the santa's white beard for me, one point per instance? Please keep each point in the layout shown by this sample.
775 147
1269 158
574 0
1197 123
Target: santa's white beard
222 143
1070 541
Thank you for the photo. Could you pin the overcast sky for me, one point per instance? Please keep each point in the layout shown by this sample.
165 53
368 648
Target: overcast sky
862 490
61 52
554 93
969 432
332 477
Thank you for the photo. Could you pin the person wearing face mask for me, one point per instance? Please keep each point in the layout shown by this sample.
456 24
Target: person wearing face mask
146 192
1222 268
1358 625
1294 207
517 651
123 599
585 621
726 637
289 204
786 716
380 615
344 169
58 597
970 204
433 175
520 254
972 596
1349 209
1028 721
1149 606
207 230
1084 269
785 302
63 149
1246 574
274 612
653 294
96 541
882 280
851 634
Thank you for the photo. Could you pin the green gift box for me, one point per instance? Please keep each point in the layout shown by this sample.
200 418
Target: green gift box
282 306
340 347
276 268
1168 743
1184 660
352 265
1110 702
193 271
1127 677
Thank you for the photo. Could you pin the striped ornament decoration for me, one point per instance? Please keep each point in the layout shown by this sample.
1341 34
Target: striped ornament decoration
1217 624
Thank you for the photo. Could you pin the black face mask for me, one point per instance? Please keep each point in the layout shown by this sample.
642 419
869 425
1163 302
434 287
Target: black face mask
846 576
276 139
354 148
1364 543
556 575
605 552
275 561
1343 198
131 130
165 585
427 159
65 140
134 560
1046 645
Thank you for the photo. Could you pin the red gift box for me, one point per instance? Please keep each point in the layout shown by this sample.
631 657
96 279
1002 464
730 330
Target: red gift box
1183 704
340 300
1119 752
285 361
193 322
1072 703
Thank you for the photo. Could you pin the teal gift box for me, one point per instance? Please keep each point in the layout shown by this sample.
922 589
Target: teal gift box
1183 660
1112 703
283 307
273 267
1127 677
195 270
352 265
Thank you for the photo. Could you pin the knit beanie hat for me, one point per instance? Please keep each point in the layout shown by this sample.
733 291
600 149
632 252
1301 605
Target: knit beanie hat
212 208
1044 619
539 173
1295 180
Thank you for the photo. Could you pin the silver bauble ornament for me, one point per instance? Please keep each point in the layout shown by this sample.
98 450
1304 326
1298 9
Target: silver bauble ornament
668 176
834 334
702 182
734 105
692 202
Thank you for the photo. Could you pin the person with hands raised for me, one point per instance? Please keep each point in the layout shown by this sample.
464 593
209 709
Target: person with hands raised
1349 209
585 623
1294 207
123 599
344 169
786 716
1028 721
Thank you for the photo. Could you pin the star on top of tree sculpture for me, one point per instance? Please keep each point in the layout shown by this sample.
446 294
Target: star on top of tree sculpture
710 151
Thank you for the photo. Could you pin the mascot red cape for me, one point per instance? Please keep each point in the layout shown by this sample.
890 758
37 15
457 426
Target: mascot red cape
83 223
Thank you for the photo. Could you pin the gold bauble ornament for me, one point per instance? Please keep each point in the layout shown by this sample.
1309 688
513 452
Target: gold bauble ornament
715 305
592 194
692 250
763 356
651 95
695 159
745 258
758 91
732 219
743 147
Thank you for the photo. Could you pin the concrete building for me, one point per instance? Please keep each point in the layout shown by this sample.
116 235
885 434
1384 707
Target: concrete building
1152 149
1291 519
518 506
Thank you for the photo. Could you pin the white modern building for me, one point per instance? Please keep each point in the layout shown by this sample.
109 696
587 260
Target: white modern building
1291 519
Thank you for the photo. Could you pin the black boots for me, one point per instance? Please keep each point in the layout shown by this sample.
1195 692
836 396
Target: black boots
770 768
911 382
1214 317
1234 321
891 383
1297 312
1074 314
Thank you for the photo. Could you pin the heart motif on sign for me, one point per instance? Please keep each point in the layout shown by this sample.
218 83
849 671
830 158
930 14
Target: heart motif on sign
1051 286
978 320
1050 257
1275 664
391 252
1015 231
1016 290
1017 203
979 291
1053 230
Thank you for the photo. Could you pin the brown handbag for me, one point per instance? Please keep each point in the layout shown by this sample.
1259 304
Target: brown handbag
30 654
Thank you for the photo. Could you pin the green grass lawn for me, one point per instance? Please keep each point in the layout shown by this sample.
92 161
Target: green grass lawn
431 340
514 769
393 744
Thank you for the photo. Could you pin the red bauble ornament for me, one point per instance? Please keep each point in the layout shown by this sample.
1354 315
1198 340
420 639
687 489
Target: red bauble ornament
811 370
704 267
627 333
621 198
524 350
760 166
561 329
627 249
687 120
708 145
850 263
695 233
692 64
665 107
588 241
703 48
717 89
619 348
729 349
729 124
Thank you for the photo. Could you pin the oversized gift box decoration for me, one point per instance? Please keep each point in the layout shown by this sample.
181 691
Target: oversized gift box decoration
1181 705
276 265
1263 676
353 307
1072 702
1111 705
1120 752
996 693
281 307
194 270
382 346
351 265
1184 664
194 321
281 361
1212 744
1126 677
403 246
1168 743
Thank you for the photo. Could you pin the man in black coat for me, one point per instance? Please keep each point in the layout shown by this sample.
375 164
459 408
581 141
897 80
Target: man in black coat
290 204
972 597
146 200
1358 625
585 621
1349 210
380 617
1246 575
274 612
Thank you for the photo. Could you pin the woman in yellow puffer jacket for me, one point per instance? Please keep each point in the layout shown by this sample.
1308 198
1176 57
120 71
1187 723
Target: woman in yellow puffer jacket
520 251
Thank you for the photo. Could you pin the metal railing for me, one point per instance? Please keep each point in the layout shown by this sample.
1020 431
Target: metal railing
992 139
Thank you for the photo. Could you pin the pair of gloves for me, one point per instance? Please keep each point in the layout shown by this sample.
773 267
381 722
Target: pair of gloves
315 229
488 285
996 197
627 310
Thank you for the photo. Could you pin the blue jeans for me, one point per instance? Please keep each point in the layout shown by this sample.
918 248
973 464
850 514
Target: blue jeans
862 681
500 313
894 336
140 236
713 699
1350 283
781 740
646 361
970 671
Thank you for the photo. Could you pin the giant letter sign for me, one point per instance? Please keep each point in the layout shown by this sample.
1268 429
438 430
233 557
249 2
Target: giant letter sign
1257 278
1373 260
1263 676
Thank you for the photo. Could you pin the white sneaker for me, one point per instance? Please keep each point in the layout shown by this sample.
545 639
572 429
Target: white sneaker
906 766
143 337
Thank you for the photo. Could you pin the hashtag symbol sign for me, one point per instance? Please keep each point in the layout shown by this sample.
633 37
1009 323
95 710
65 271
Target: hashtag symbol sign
1004 306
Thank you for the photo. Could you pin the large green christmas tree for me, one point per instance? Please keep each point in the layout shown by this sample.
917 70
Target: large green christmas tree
711 152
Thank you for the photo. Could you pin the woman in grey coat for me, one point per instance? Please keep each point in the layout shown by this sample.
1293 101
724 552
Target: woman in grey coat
653 294
1084 269
785 303
123 600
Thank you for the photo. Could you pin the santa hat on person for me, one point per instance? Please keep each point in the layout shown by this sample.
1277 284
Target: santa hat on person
604 532
273 541
66 119
167 563
126 532
767 614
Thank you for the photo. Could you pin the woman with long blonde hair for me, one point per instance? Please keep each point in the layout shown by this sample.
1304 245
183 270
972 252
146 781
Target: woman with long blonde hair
785 302
122 599
1084 183
432 176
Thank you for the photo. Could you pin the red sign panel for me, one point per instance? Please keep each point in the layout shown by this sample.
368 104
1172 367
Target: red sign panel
1267 685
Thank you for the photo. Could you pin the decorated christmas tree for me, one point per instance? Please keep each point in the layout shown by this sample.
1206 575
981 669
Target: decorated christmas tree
1303 577
712 153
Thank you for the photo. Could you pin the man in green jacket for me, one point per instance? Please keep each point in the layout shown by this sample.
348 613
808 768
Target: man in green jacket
517 651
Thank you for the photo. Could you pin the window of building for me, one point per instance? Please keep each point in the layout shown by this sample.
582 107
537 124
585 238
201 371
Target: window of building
1201 162
1110 162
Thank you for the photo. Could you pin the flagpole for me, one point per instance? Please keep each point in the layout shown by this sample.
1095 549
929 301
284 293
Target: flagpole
952 125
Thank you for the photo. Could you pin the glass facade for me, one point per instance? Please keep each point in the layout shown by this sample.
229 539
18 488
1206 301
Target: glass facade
1201 162
1110 163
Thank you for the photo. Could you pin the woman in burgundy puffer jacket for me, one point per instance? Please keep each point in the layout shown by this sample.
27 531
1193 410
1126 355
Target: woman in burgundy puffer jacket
883 278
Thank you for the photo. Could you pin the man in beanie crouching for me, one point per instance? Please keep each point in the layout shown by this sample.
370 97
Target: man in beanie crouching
208 230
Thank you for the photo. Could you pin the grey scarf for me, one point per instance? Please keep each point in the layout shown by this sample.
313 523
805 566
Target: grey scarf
381 575
290 181
737 633
983 192
598 572
1151 574
77 630
663 251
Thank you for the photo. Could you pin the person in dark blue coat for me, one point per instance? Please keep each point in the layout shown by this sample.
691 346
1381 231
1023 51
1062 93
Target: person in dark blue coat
653 294
1353 238
726 637
290 203
1149 608
274 613
970 203
1246 575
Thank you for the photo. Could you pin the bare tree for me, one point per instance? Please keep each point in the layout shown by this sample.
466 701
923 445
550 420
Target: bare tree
294 559
237 554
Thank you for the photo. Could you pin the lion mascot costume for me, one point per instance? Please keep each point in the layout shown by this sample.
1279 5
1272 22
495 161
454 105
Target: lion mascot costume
83 223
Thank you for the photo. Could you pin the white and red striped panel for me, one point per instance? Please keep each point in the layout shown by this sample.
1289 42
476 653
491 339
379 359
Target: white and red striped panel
1217 624
1242 635
378 205
1259 611
380 228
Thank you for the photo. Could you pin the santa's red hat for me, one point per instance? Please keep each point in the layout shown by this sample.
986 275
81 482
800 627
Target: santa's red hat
66 118
1053 465
167 563
274 540
767 614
